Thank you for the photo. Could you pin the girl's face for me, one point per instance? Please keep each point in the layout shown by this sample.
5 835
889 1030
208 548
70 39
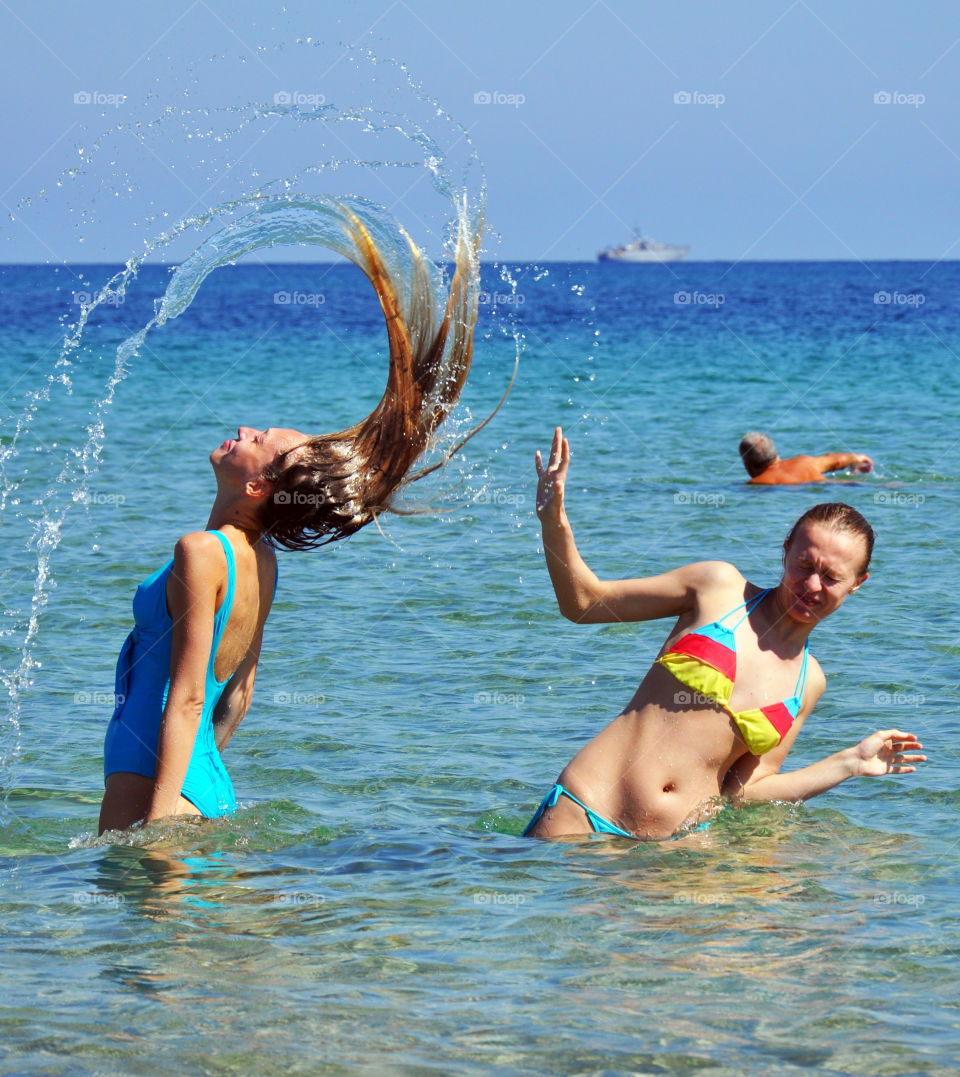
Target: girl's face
244 458
820 568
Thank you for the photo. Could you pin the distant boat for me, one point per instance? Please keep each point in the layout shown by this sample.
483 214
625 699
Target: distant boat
641 249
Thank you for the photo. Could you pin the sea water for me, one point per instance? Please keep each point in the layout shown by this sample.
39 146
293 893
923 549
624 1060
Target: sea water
371 906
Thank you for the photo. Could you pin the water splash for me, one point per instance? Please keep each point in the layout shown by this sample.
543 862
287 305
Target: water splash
286 209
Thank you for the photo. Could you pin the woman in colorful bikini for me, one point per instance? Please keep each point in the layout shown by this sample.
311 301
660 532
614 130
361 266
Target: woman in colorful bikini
702 723
185 673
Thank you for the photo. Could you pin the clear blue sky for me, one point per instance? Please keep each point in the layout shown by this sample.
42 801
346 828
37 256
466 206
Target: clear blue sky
781 152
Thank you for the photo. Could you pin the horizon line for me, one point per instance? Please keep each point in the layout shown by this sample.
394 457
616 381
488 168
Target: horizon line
501 261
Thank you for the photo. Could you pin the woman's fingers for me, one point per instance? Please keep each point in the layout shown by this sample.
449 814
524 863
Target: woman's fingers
559 453
556 448
550 479
897 736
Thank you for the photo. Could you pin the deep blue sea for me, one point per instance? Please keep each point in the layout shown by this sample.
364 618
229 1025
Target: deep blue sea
371 908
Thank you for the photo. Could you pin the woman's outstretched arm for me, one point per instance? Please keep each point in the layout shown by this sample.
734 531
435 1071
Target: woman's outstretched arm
581 595
577 588
888 751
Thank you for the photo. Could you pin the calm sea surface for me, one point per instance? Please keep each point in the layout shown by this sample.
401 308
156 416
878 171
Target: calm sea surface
371 907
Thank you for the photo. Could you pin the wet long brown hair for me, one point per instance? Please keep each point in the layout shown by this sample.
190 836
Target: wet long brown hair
335 484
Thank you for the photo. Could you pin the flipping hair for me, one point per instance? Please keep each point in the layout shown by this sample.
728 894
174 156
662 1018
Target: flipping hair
335 484
838 517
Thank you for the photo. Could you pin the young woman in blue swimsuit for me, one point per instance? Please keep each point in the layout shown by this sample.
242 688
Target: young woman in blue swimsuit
702 723
185 674
186 671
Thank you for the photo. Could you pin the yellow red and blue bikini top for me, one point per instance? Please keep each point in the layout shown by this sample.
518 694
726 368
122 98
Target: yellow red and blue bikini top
705 660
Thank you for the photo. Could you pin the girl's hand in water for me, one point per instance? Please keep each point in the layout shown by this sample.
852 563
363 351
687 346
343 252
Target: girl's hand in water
552 477
888 751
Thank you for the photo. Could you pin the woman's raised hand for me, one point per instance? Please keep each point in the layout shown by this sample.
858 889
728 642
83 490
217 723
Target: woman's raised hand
553 476
888 751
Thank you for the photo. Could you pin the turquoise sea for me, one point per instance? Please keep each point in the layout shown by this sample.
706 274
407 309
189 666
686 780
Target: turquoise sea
371 908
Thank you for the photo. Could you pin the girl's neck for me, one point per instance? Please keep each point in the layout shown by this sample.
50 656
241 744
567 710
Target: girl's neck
793 633
238 513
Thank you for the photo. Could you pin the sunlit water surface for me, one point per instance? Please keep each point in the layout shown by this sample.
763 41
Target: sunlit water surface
371 905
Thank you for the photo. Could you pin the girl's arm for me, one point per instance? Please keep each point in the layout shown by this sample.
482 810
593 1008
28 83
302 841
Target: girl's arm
581 595
199 574
887 751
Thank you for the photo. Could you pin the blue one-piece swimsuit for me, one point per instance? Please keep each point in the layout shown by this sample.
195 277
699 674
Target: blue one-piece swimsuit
142 683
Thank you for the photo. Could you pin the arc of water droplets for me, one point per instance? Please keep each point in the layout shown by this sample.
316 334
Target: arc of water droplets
80 465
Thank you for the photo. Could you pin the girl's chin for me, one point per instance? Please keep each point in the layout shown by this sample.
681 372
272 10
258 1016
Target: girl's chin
803 612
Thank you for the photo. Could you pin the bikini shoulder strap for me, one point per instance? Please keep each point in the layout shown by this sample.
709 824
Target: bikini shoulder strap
750 605
223 614
802 679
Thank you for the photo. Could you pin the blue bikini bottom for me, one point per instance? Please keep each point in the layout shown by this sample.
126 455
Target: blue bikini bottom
597 822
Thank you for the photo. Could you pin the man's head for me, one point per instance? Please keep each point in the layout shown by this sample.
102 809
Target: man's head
758 452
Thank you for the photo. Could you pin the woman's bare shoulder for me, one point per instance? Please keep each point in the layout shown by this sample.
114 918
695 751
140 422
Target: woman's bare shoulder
715 576
199 551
